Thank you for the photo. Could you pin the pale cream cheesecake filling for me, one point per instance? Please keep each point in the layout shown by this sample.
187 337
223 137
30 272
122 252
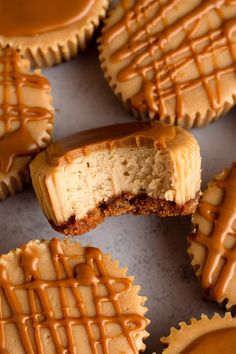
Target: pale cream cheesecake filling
76 188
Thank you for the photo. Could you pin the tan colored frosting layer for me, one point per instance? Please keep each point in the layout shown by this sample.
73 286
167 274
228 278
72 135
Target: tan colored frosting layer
26 18
109 137
77 304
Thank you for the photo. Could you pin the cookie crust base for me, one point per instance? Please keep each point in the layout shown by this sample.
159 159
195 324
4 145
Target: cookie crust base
126 203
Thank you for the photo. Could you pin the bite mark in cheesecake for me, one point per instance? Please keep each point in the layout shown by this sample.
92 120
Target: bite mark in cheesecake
136 168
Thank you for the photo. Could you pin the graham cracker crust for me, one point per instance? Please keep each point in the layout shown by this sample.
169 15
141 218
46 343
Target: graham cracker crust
126 203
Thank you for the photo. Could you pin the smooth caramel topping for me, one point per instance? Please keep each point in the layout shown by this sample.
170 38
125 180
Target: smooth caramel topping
85 274
222 341
154 55
18 142
222 217
93 273
27 17
109 137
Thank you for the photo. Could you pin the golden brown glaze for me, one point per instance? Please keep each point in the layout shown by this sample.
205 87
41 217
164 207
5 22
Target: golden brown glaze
109 137
163 77
91 272
217 342
18 142
222 217
27 17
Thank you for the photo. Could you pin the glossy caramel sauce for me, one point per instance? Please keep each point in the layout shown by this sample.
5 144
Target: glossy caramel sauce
27 17
222 341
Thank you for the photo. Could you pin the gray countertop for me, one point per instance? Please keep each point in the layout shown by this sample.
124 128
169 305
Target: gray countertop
153 248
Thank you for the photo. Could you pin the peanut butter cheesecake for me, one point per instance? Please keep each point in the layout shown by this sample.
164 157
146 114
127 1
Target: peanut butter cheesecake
80 302
136 168
173 61
212 244
206 336
49 31
26 119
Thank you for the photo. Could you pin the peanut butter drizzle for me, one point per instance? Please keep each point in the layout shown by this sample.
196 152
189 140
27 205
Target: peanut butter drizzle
109 137
18 142
27 17
222 341
92 272
222 217
160 75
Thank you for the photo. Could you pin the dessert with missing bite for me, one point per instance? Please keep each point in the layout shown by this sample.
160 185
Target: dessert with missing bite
48 32
26 119
212 244
205 336
172 61
137 168
80 302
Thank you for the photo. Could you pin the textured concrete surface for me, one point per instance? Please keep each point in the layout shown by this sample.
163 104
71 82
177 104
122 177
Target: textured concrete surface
153 248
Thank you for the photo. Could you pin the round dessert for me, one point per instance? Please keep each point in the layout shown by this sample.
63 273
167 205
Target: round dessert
212 244
48 32
80 302
206 336
136 168
26 119
172 61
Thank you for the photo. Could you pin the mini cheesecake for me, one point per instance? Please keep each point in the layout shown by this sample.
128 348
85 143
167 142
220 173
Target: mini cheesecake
59 297
212 244
26 119
172 61
128 168
49 31
204 336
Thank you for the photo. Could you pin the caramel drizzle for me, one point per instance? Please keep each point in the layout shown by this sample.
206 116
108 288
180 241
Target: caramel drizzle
222 217
18 142
160 75
92 272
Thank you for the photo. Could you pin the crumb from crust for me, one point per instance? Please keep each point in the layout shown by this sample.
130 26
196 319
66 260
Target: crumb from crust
125 203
